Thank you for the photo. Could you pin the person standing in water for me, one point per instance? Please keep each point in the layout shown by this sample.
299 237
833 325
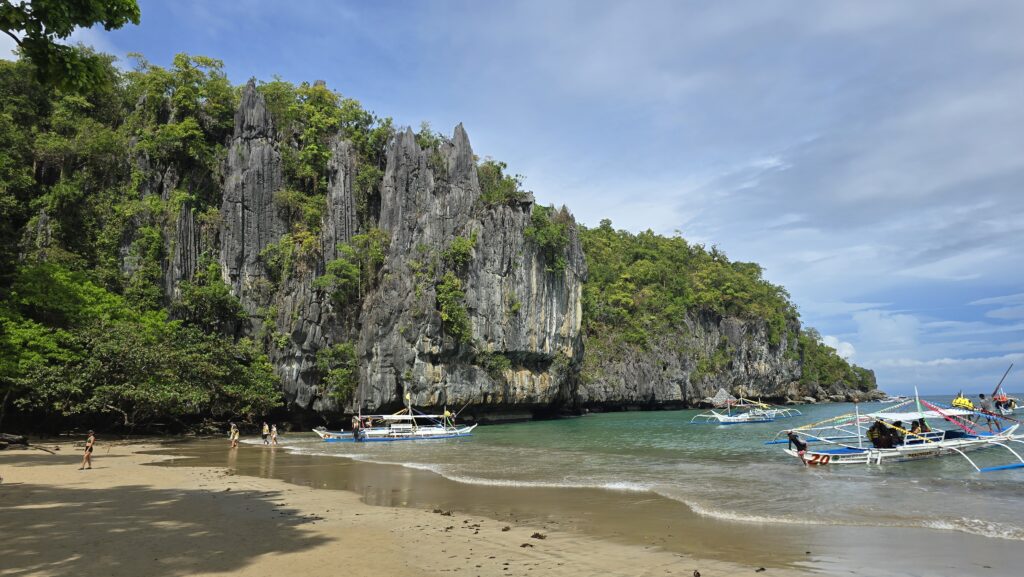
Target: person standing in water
273 434
801 447
988 409
266 433
233 435
87 456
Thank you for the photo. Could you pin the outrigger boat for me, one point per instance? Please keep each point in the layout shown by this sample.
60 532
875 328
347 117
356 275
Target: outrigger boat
405 425
740 411
853 438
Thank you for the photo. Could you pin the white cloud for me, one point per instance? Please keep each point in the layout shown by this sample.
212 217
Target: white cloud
950 362
1012 299
1014 309
1016 312
845 349
97 38
887 329
7 47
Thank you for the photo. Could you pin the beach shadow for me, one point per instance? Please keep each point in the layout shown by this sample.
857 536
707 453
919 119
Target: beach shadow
137 530
32 458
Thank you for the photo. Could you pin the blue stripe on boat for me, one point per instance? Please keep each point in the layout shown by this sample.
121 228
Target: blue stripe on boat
839 451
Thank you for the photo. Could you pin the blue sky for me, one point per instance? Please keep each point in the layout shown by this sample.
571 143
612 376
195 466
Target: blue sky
870 155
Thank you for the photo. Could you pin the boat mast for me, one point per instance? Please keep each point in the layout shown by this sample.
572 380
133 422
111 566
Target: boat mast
359 395
917 401
408 403
1002 379
860 438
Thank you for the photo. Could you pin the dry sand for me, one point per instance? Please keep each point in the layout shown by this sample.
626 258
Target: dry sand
123 518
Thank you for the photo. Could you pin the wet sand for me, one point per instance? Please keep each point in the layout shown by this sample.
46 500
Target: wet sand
638 520
259 511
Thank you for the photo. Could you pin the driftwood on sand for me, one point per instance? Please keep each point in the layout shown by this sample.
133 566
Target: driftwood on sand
7 440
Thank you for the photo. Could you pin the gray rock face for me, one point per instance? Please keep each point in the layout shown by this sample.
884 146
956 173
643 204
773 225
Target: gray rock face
708 353
517 309
184 254
252 174
340 219
306 323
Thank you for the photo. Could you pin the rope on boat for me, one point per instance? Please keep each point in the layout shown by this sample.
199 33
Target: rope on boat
845 416
829 420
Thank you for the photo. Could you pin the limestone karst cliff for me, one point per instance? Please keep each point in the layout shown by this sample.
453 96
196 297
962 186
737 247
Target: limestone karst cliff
518 309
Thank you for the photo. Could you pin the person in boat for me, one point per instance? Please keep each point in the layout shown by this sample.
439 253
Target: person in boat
917 430
878 435
801 447
896 432
1001 401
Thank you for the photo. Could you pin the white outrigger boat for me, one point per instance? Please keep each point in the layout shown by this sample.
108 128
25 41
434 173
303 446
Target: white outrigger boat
405 425
740 411
879 437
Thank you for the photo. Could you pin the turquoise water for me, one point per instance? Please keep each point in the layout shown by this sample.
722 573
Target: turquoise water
720 472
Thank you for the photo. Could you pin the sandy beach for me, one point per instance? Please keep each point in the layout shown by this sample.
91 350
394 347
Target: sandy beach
127 518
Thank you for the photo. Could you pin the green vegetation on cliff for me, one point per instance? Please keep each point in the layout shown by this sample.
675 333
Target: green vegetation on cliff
642 287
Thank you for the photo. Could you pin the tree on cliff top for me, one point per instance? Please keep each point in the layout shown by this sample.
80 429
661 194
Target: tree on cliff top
36 27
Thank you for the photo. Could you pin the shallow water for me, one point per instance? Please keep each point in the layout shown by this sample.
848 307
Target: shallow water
653 478
717 471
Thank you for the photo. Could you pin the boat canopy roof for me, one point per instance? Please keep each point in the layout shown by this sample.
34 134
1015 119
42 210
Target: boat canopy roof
915 415
403 417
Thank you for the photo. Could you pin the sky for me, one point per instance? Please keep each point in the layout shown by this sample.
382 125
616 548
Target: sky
869 155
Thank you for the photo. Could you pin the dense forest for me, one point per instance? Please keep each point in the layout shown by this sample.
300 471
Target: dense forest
89 333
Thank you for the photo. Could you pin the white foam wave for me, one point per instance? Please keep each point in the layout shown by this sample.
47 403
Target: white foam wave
723 515
963 525
978 527
567 484
490 482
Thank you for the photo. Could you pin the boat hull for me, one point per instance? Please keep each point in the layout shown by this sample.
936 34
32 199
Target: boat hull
386 436
857 456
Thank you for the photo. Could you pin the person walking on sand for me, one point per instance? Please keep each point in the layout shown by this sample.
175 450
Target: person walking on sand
273 434
87 456
233 435
266 433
